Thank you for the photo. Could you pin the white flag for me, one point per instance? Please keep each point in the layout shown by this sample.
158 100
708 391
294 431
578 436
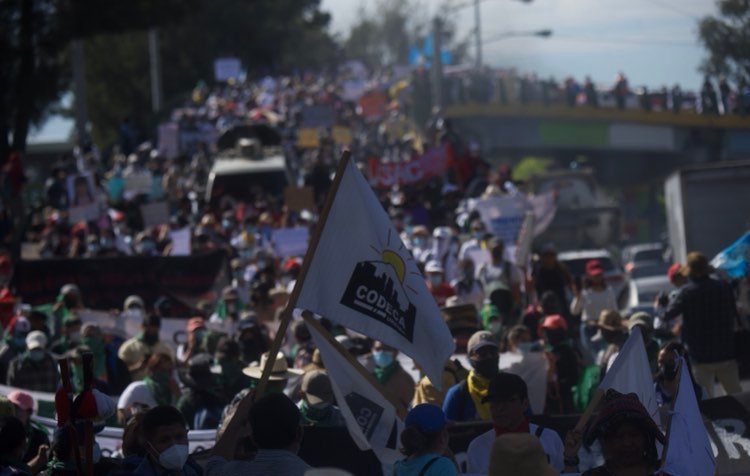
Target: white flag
371 419
689 451
631 373
363 277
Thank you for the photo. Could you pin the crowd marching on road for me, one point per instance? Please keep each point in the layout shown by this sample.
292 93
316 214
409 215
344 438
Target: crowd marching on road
530 338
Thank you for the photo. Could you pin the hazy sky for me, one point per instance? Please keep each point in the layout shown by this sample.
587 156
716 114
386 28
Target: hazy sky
654 42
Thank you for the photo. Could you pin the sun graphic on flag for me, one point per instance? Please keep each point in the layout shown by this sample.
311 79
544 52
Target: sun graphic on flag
397 262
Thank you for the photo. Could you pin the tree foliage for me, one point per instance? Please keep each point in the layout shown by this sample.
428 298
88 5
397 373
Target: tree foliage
727 39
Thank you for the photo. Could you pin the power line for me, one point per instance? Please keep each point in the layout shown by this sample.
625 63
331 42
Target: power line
674 9
629 41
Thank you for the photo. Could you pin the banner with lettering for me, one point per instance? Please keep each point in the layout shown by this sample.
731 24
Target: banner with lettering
384 174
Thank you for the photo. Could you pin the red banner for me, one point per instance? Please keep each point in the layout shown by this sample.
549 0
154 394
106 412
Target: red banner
382 174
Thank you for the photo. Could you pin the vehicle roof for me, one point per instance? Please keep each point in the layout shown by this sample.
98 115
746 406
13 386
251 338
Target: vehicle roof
243 166
660 283
581 254
643 247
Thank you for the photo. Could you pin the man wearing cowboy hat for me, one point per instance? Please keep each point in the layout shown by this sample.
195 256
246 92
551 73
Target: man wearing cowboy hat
280 374
709 314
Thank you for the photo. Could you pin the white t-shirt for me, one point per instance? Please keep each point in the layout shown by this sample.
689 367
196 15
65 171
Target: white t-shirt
478 454
591 303
136 392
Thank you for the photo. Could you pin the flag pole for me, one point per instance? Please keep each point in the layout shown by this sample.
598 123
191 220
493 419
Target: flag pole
312 322
286 316
593 404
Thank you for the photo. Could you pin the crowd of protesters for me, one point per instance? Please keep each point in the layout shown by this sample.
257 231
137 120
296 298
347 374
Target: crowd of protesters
537 342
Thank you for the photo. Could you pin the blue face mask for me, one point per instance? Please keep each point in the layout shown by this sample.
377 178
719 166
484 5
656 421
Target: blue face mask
382 358
36 355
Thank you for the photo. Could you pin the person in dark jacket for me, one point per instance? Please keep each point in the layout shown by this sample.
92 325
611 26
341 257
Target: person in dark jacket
709 314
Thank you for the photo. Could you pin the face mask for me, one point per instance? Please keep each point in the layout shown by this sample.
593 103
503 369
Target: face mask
148 246
418 242
93 249
524 347
36 355
478 235
496 327
435 280
174 457
261 264
75 337
382 358
669 370
106 243
226 224
487 368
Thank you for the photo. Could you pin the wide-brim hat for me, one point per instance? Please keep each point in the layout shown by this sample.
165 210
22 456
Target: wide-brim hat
281 370
519 454
618 408
610 320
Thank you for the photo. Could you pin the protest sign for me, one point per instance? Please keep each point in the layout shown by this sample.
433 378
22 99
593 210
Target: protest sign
362 276
137 184
106 282
372 105
385 174
318 116
227 68
308 137
181 244
299 198
169 140
341 135
82 198
290 241
352 89
503 215
155 214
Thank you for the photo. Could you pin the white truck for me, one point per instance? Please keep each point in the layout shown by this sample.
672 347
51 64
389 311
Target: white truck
708 207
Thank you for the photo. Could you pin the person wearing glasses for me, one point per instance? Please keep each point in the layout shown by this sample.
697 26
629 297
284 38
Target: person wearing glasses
509 406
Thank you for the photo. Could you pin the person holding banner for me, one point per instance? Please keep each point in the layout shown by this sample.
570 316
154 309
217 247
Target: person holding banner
627 434
424 441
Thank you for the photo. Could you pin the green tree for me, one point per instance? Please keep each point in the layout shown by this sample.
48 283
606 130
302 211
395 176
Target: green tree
726 38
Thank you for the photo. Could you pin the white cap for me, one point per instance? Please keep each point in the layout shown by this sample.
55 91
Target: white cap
433 267
36 340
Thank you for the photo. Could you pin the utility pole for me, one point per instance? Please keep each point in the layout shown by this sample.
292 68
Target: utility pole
153 50
437 65
78 58
478 33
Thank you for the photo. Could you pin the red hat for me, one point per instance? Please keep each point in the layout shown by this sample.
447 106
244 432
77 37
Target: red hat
195 323
674 269
594 268
555 321
292 263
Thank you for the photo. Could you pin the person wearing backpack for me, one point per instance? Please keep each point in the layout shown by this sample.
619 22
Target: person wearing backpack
424 440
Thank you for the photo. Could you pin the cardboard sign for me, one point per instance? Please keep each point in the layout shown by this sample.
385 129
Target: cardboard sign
308 138
181 244
227 68
290 241
299 198
155 214
318 116
138 184
82 198
341 135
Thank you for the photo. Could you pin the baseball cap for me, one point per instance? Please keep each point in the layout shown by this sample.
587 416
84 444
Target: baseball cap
21 399
36 340
317 387
427 417
555 321
195 323
673 270
433 267
480 339
504 386
594 268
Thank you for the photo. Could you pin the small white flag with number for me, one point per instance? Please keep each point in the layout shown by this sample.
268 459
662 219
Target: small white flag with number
371 419
631 373
689 451
363 277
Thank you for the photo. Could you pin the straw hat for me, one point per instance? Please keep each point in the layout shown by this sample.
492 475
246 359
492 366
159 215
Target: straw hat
519 454
280 369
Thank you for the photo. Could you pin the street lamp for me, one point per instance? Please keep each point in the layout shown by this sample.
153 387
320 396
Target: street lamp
518 34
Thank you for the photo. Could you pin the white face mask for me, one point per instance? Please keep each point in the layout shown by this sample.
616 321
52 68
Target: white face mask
75 337
174 457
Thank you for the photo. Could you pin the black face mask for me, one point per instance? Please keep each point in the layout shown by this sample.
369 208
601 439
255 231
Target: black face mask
487 368
668 370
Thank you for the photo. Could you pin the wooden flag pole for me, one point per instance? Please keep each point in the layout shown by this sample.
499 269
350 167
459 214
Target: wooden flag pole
590 409
286 316
312 322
